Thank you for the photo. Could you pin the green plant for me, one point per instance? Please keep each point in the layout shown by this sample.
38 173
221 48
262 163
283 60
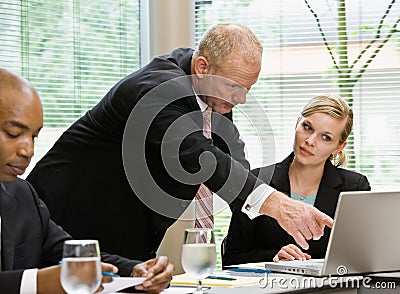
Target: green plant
349 73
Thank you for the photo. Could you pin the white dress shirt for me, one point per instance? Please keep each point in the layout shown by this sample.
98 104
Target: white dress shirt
29 281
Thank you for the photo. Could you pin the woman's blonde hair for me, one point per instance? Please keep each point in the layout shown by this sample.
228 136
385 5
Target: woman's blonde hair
336 107
223 39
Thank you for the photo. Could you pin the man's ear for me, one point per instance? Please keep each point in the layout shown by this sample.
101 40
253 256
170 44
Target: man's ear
201 66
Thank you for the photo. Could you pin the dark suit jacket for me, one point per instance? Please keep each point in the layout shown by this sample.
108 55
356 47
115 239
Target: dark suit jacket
260 239
30 239
83 174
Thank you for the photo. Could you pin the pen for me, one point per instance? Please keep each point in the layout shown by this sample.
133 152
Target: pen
221 278
250 270
108 274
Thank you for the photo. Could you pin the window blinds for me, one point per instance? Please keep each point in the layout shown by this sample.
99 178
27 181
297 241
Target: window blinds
72 51
297 65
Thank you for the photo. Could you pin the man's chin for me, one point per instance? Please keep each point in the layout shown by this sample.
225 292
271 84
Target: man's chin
223 109
8 178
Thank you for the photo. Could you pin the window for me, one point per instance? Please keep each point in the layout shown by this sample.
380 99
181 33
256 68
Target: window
297 66
72 51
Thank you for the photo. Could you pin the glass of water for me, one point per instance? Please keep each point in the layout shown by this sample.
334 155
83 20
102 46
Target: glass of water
80 267
199 255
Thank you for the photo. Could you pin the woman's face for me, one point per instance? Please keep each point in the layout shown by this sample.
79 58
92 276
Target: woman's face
317 137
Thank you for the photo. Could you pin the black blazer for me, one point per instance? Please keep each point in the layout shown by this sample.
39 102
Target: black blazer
83 175
30 239
260 239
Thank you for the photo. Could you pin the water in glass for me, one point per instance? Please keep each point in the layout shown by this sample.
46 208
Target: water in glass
80 267
199 254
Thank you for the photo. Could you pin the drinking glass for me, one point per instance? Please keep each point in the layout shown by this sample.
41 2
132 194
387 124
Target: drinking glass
199 255
80 266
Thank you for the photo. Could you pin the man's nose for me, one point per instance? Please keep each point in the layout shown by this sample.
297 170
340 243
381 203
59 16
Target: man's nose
26 148
240 96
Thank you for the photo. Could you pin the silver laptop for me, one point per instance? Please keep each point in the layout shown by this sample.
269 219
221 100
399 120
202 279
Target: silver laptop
365 238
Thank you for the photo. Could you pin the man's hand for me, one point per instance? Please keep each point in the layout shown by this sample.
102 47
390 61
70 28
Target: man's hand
158 273
301 221
290 252
48 280
106 267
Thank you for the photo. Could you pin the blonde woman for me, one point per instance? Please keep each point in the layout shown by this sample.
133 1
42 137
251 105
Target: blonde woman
311 174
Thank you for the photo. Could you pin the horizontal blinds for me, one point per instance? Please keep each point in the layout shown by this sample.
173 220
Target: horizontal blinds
298 66
73 51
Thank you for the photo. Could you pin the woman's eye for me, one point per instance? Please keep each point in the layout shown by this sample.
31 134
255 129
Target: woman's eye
326 138
307 127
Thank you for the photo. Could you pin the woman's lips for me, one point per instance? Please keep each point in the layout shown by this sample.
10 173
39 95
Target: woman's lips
305 151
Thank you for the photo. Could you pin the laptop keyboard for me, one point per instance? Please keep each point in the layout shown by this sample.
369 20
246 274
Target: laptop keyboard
310 264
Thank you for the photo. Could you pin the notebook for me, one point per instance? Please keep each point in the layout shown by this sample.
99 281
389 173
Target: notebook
237 281
365 238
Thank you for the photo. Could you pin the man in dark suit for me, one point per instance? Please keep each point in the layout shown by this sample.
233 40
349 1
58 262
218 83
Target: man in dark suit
140 154
29 238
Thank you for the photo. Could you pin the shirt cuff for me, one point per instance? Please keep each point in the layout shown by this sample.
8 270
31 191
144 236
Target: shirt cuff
29 282
255 200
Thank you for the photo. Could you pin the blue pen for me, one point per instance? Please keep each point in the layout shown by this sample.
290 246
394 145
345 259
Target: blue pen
107 274
221 278
250 270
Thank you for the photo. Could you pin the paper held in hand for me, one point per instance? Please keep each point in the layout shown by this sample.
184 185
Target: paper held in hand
120 283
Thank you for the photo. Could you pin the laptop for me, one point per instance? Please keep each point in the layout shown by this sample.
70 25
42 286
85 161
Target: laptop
365 238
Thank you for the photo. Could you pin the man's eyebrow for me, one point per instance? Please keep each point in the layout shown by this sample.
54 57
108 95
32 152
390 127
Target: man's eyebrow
17 124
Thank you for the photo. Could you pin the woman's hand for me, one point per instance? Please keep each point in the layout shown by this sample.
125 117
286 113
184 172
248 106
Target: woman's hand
290 252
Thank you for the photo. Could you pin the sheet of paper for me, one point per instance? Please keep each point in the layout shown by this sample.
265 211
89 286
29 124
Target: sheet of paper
250 265
185 279
120 283
179 290
249 269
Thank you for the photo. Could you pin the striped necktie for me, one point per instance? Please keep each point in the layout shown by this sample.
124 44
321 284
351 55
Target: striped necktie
204 196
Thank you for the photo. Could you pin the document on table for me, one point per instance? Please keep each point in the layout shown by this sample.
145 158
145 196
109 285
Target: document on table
250 265
248 269
185 279
181 290
120 283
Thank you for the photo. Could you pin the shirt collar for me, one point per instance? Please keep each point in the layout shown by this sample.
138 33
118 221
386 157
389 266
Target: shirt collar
203 106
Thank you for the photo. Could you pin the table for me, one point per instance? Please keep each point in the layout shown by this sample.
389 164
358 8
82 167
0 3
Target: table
298 284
